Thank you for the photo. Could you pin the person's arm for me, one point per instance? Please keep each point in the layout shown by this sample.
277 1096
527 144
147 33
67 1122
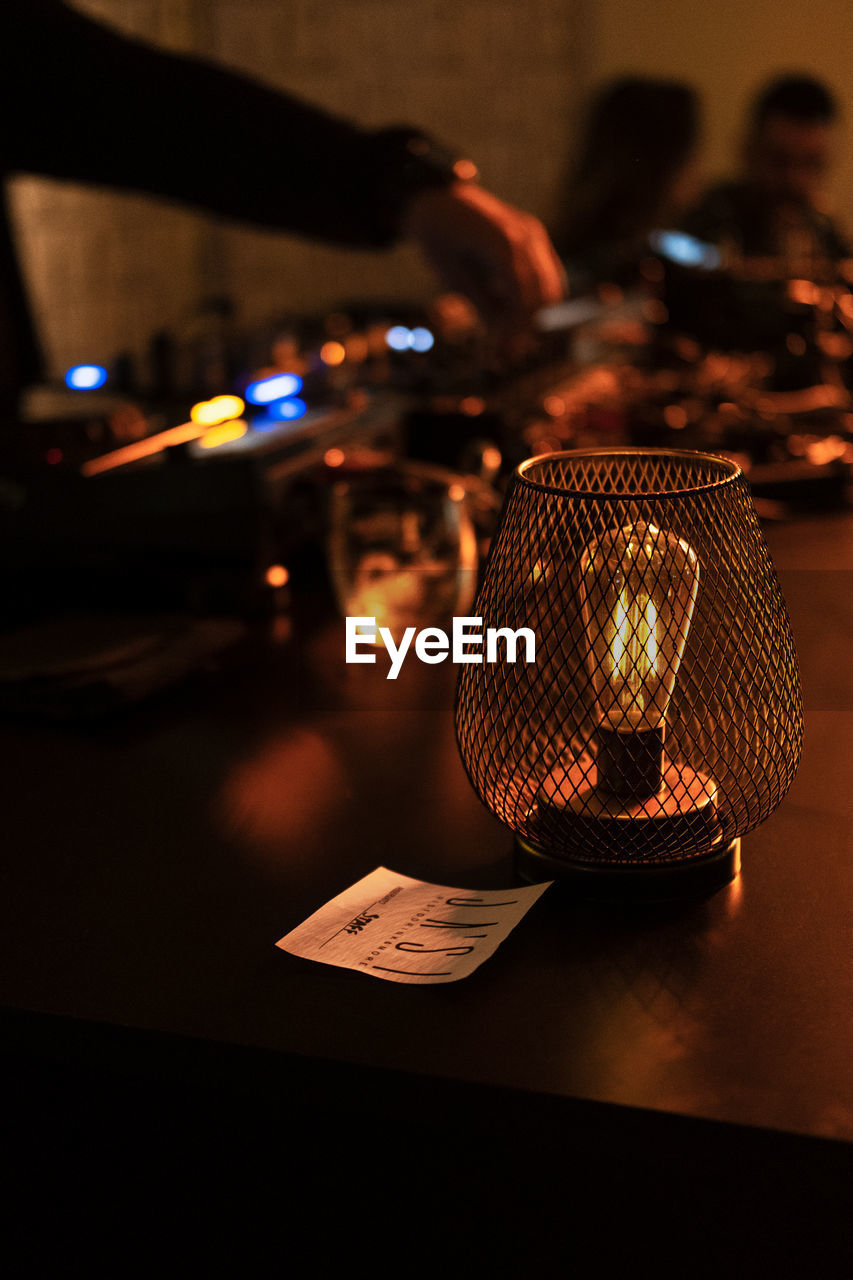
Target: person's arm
83 102
86 103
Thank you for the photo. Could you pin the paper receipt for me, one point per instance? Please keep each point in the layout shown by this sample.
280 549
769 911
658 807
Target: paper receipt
406 930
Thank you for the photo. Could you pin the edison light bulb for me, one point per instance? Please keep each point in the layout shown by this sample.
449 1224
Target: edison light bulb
638 588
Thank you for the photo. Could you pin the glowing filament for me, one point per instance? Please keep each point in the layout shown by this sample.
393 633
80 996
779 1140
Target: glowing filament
634 648
639 587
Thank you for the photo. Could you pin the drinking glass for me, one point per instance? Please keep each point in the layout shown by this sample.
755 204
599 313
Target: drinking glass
402 547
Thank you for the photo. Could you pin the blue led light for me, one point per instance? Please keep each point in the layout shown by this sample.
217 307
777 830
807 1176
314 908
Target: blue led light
280 411
399 338
289 409
85 377
686 250
421 339
276 387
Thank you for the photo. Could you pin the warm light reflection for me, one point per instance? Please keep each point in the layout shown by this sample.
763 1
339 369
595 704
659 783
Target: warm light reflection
289 790
472 406
143 448
333 353
334 457
732 895
223 435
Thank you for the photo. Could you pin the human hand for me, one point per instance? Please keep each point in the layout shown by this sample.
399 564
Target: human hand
500 257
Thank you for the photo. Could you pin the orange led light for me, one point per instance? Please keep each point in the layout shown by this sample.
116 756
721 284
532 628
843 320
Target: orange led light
277 576
229 406
465 170
143 448
204 414
222 434
210 413
334 457
333 353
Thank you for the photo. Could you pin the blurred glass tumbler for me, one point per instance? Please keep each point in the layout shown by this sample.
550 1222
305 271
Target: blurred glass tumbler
402 547
663 718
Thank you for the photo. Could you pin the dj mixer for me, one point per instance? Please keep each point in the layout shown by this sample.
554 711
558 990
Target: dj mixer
198 491
198 481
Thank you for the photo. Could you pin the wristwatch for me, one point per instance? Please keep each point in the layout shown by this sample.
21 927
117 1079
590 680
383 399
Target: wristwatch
408 162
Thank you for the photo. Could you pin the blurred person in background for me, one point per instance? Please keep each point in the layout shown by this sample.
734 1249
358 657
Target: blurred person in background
775 208
635 173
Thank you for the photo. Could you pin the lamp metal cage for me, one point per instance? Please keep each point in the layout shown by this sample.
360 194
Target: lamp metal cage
662 719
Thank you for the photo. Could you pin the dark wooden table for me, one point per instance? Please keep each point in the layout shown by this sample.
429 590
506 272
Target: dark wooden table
685 1070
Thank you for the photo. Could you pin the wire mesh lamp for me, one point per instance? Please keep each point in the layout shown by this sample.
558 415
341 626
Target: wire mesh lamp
662 719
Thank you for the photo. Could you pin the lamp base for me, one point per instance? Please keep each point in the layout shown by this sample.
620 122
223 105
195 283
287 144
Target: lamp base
576 819
695 877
